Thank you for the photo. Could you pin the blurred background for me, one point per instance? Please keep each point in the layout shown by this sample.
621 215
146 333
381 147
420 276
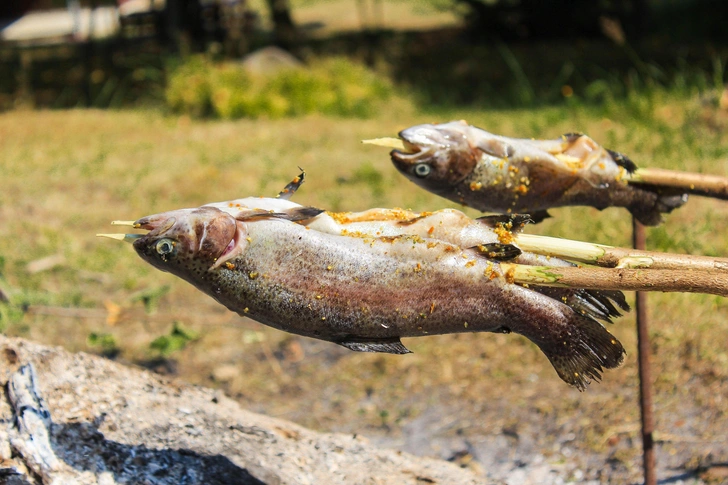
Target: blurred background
115 110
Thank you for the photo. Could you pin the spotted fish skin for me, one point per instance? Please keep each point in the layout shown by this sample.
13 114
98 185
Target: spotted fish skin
495 173
365 292
448 225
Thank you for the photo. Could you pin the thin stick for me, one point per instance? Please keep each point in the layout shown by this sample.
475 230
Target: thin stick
693 183
639 240
613 257
592 278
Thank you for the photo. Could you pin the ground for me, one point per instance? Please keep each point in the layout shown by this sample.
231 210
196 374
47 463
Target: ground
490 402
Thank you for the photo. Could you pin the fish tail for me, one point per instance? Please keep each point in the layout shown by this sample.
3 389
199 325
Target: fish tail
582 350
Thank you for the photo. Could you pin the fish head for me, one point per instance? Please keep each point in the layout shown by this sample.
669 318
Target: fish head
189 242
436 156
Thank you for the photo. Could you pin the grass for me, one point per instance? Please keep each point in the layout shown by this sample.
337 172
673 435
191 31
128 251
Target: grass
66 174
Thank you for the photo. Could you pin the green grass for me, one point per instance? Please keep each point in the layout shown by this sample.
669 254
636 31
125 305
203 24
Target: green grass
66 174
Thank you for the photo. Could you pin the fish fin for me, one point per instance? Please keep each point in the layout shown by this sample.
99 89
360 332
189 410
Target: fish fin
496 148
581 351
498 251
389 346
517 221
292 186
597 304
539 216
622 160
293 214
571 137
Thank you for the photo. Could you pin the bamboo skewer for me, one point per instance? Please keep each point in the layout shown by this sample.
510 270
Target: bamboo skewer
614 257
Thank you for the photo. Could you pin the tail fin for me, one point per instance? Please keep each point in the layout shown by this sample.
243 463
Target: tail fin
582 351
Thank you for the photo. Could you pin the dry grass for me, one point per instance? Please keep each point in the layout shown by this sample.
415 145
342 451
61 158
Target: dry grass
65 175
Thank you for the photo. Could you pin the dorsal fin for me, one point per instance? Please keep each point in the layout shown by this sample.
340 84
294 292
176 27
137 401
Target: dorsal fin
292 186
294 214
622 160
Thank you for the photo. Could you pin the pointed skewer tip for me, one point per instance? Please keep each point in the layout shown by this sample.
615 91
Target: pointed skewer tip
385 142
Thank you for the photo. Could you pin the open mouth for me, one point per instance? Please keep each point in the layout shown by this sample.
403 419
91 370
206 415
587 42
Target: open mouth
403 150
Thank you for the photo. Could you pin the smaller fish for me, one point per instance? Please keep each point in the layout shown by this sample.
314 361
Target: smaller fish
495 173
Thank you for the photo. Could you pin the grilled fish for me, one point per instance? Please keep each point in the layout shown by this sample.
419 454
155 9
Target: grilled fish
492 235
494 173
364 293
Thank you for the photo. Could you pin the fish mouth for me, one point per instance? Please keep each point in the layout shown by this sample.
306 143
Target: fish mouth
411 152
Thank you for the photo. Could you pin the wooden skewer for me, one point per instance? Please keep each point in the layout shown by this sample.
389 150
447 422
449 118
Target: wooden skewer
704 185
594 278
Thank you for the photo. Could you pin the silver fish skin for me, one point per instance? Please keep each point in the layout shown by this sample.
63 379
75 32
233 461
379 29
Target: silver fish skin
495 173
365 292
448 225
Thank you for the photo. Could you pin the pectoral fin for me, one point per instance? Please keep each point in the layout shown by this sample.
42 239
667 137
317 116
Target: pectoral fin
389 346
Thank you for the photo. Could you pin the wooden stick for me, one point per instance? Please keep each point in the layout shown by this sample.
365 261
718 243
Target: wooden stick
639 240
704 185
593 278
613 257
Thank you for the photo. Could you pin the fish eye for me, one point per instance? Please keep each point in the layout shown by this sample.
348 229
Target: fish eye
422 170
164 247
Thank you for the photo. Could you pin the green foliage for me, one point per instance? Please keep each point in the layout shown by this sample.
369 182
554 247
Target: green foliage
177 339
105 342
150 298
368 175
337 87
188 88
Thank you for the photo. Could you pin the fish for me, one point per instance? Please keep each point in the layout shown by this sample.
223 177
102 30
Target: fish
364 293
494 173
492 234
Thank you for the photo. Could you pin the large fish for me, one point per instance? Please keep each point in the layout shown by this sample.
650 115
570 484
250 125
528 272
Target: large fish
493 235
364 293
495 173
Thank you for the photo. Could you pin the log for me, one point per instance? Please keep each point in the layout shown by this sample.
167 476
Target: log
80 419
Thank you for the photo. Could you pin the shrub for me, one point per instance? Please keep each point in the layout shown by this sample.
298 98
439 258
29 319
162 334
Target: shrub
338 87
